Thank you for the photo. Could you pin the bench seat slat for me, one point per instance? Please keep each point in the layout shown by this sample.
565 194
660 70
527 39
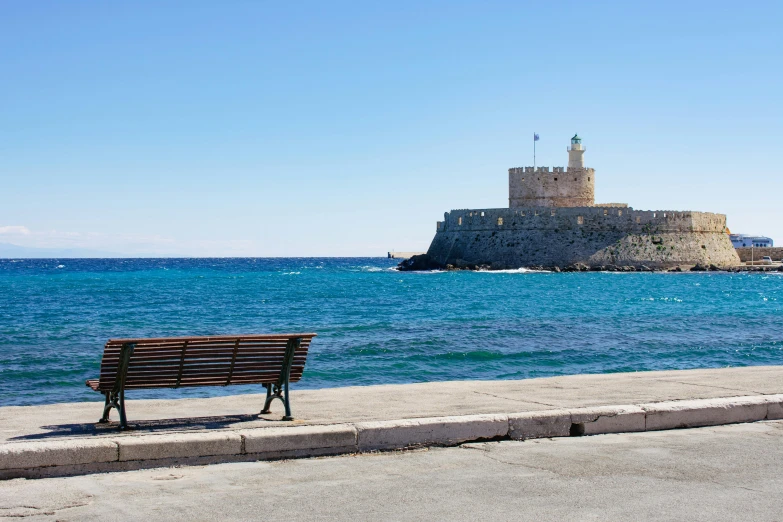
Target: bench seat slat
196 356
220 379
227 338
206 364
201 353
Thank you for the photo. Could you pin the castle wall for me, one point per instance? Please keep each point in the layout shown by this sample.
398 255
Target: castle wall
560 188
548 236
755 254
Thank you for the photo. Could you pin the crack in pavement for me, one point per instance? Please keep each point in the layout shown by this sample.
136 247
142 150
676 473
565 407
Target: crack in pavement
516 400
736 486
38 511
713 386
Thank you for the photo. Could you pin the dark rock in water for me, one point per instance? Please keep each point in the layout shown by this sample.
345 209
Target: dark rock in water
675 269
780 268
419 263
714 268
699 268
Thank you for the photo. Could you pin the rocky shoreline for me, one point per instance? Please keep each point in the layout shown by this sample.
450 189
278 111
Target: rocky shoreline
424 262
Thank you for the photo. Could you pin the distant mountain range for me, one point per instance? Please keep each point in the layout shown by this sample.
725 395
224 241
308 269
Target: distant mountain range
8 250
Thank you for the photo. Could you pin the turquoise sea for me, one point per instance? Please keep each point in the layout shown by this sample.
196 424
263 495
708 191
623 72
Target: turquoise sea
376 325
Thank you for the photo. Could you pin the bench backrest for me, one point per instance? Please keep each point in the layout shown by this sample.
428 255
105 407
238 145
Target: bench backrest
203 361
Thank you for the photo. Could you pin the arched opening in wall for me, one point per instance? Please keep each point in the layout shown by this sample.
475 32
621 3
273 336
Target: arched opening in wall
553 212
500 221
588 179
638 219
555 179
606 212
580 220
482 214
459 220
619 212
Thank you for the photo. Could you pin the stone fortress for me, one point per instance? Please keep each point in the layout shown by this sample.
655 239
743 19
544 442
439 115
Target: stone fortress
553 222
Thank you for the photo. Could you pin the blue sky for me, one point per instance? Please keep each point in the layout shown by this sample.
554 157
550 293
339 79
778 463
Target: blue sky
348 128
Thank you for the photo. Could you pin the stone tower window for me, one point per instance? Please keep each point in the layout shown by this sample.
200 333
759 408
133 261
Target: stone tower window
606 212
459 220
619 212
553 212
638 219
580 220
588 179
482 214
500 221
555 179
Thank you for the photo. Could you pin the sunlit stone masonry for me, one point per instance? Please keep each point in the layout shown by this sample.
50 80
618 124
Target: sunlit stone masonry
553 221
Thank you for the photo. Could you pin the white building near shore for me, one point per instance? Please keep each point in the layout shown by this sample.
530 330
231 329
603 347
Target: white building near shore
747 241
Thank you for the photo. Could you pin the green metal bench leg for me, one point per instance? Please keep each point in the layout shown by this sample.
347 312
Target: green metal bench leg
123 418
269 398
287 405
107 405
280 392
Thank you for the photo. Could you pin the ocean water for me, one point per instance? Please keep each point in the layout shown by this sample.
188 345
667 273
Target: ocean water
376 325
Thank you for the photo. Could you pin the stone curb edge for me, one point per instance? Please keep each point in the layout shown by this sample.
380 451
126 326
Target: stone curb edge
74 457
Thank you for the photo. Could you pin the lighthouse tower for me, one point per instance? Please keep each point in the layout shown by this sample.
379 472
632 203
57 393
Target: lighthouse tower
560 187
576 154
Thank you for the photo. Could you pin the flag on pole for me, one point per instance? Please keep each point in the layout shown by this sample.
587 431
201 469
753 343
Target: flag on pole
535 137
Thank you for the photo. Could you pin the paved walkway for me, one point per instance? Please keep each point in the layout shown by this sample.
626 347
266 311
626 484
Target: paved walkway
388 402
711 474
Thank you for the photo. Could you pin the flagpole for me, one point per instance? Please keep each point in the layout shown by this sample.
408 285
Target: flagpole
534 151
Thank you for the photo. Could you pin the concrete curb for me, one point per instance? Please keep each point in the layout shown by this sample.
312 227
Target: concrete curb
405 433
131 451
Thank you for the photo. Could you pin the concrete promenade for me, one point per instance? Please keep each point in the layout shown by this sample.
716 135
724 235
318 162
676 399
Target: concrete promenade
705 474
63 439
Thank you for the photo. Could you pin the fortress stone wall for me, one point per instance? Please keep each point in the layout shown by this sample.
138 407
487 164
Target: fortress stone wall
552 220
562 187
595 236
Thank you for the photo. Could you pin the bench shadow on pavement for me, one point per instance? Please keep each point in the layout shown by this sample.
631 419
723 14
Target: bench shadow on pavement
151 426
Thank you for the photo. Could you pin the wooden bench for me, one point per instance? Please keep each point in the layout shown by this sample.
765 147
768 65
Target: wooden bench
273 361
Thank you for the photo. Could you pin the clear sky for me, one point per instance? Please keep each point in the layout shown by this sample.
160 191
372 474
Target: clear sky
347 128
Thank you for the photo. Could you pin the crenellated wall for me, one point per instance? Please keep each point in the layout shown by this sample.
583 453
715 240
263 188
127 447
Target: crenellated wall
551 236
562 187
